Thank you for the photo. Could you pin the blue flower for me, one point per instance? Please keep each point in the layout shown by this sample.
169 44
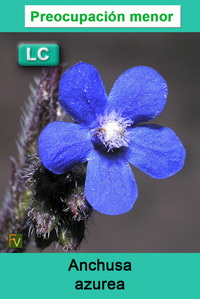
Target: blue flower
108 136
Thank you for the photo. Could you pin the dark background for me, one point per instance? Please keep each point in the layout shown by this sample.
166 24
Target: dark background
166 216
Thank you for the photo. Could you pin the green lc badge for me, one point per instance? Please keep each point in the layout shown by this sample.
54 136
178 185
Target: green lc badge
38 54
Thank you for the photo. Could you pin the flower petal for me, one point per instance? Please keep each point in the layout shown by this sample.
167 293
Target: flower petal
82 94
63 145
110 186
155 150
140 93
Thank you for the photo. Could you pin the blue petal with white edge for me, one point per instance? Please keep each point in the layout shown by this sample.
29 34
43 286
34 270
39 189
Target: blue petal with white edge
110 186
63 145
82 94
140 93
155 150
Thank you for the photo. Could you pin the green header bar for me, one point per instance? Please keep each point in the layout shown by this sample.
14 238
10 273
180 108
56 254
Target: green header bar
13 16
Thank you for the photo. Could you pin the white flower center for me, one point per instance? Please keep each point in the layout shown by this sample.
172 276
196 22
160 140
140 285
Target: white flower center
112 131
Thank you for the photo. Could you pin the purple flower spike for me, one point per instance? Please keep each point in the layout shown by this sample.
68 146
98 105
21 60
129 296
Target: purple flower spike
108 135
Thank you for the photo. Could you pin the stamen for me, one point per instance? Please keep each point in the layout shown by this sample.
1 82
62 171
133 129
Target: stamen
112 130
